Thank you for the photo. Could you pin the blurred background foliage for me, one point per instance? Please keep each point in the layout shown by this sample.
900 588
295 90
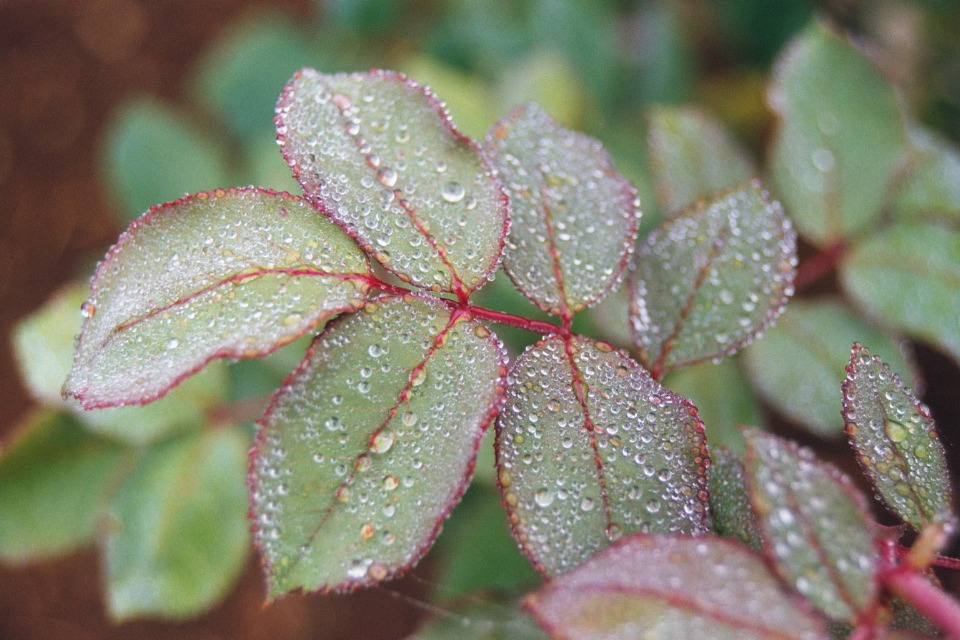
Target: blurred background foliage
597 66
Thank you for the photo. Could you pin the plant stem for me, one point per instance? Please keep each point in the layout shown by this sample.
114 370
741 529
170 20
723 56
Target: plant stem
933 603
537 326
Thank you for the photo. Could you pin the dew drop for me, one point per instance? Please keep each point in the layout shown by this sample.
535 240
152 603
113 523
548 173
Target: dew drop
452 192
88 309
387 177
382 442
173 343
543 497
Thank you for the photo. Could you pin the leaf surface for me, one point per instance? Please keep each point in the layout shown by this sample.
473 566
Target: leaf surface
479 620
707 281
693 156
798 366
178 535
590 448
730 508
834 155
232 273
573 216
660 587
896 441
378 154
370 444
931 190
908 276
814 524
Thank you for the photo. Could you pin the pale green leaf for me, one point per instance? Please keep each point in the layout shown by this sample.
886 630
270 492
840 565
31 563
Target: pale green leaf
232 273
590 448
367 448
481 620
730 508
379 155
931 189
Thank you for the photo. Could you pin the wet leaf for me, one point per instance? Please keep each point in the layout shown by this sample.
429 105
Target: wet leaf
693 156
590 448
573 217
931 190
369 445
480 620
707 281
55 482
730 508
227 274
833 156
798 366
378 154
672 587
895 440
178 534
814 524
908 276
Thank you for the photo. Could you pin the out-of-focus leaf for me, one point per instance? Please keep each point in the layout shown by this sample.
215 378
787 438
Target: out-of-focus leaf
814 524
648 586
896 441
840 138
590 448
908 276
379 155
707 281
44 344
481 621
267 169
693 156
799 364
730 508
468 98
225 274
56 480
368 447
155 154
574 218
723 399
549 80
178 534
932 188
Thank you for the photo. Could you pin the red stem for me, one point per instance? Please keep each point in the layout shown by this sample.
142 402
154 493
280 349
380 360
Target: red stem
930 601
814 268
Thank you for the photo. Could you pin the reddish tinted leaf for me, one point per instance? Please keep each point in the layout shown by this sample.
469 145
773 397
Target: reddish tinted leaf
370 443
814 525
664 588
589 448
225 274
574 218
895 440
378 154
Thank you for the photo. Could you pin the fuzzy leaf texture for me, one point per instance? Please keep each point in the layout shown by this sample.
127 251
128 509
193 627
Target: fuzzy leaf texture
708 280
833 156
224 274
590 448
378 154
931 190
662 588
573 216
814 525
896 441
370 443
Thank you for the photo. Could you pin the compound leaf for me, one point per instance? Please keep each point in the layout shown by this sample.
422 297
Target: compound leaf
232 273
378 154
932 187
662 587
895 440
708 281
370 444
814 525
574 218
590 448
918 290
840 138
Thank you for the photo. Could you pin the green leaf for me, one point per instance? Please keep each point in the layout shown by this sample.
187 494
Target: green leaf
896 441
155 154
370 444
574 218
723 399
708 281
693 156
590 448
908 276
672 587
729 502
840 139
932 187
178 537
479 620
798 366
55 482
814 524
227 274
379 155
44 344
